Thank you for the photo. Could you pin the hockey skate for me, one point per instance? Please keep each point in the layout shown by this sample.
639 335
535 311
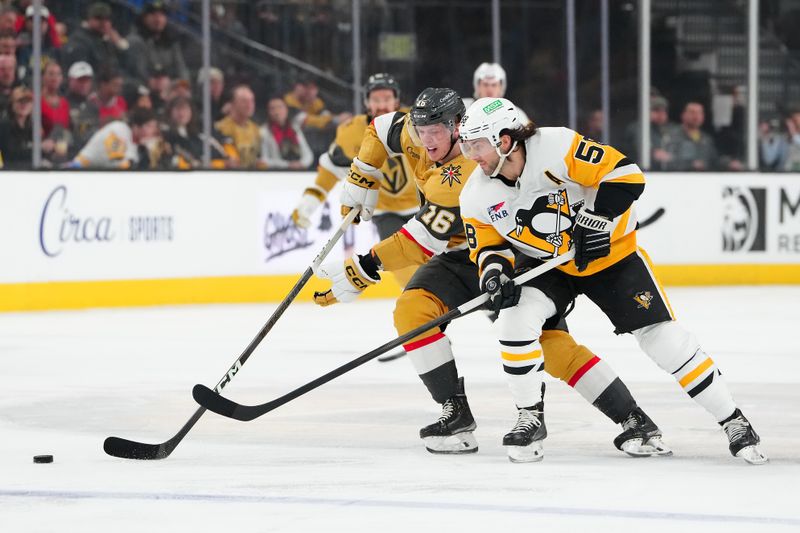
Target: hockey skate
640 436
453 432
524 441
743 439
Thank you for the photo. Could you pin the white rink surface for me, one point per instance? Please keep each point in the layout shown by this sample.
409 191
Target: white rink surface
346 457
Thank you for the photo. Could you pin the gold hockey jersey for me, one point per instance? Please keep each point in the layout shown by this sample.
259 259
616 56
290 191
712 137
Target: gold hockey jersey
437 227
535 214
398 194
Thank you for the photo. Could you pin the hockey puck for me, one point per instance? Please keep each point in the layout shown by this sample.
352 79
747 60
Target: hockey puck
42 458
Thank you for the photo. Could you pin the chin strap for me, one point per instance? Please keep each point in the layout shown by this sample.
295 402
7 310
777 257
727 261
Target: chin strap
503 158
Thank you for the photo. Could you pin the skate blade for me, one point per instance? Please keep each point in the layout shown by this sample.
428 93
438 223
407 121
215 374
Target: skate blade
532 453
753 455
452 444
649 448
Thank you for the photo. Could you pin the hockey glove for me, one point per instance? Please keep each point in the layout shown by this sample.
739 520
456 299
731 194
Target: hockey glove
503 292
309 203
591 238
349 279
361 190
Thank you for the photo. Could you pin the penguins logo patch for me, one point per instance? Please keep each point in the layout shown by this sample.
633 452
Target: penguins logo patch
644 299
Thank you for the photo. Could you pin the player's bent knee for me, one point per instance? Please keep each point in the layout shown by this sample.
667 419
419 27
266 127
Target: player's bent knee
667 343
524 321
563 356
416 307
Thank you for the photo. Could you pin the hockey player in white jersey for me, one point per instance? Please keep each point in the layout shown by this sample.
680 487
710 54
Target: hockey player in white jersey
116 145
539 192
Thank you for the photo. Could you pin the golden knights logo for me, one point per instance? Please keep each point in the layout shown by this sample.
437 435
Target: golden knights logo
547 225
450 174
395 178
644 299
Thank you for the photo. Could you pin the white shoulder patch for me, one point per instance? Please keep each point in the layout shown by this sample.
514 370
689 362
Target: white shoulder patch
382 125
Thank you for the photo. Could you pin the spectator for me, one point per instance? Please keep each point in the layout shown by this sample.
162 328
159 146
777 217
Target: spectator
593 125
8 43
25 44
692 148
84 115
97 41
180 88
219 104
241 134
8 81
182 140
119 144
152 44
307 108
108 98
55 108
138 96
662 132
282 145
16 131
773 145
158 83
792 163
52 38
8 19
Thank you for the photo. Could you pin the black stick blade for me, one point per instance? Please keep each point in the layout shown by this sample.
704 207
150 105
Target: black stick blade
219 404
128 449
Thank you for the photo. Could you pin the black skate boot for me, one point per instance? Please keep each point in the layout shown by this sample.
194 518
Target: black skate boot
640 436
743 439
524 441
452 433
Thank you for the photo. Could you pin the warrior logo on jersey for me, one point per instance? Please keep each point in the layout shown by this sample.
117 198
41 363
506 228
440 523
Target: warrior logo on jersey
644 299
395 178
450 174
547 225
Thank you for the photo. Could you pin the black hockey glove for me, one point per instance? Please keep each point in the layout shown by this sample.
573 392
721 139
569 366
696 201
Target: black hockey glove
503 292
591 238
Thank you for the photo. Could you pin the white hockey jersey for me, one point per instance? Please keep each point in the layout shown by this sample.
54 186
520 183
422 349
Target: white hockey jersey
535 214
111 146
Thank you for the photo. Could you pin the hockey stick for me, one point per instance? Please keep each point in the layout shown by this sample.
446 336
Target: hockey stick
128 449
392 356
217 403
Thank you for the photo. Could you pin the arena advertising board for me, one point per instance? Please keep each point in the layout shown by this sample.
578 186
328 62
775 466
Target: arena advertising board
105 226
703 219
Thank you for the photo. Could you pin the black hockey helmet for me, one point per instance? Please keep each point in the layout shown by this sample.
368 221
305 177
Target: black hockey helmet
437 105
381 80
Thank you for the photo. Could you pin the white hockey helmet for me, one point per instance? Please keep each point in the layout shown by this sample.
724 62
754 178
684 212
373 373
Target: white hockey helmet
483 124
490 72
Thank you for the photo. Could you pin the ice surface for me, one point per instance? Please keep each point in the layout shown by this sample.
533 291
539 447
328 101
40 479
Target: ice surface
346 457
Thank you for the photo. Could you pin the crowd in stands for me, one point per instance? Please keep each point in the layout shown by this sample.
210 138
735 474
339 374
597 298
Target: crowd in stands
95 75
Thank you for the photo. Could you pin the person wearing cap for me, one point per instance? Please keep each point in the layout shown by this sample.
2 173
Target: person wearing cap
25 45
662 133
84 114
158 83
52 36
120 144
397 198
108 97
152 43
97 41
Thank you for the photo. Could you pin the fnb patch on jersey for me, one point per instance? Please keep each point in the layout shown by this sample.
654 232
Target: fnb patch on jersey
497 212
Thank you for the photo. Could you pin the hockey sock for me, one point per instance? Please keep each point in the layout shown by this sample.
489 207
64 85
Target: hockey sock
599 385
678 352
523 363
433 360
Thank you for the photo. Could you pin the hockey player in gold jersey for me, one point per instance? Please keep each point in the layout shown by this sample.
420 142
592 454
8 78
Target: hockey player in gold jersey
539 192
397 200
435 239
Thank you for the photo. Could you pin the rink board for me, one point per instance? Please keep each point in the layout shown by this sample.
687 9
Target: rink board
98 239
